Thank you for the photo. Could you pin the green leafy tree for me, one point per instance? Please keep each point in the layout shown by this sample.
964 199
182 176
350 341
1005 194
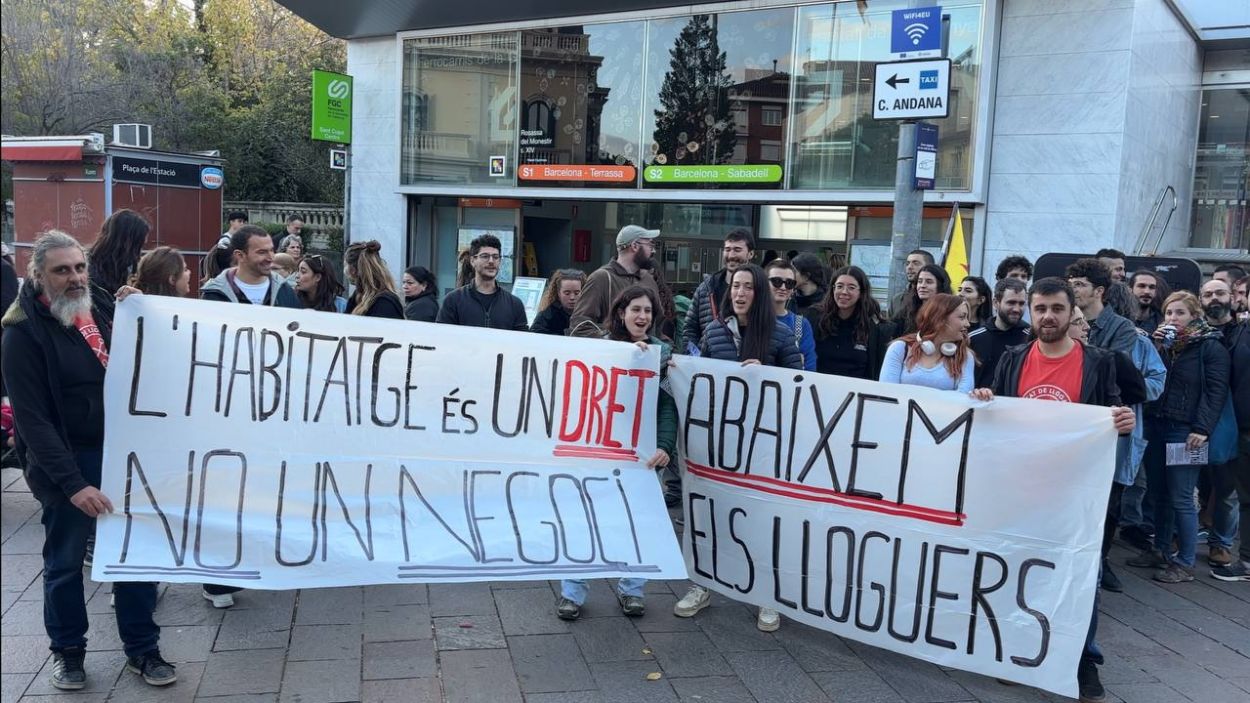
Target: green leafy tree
694 124
231 75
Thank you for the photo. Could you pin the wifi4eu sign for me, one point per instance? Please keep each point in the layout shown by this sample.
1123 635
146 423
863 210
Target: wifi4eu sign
916 33
331 107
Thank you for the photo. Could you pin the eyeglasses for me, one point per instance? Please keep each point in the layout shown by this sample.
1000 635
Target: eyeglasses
320 262
786 283
489 257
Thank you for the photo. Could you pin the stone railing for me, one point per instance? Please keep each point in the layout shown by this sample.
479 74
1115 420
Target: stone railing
320 219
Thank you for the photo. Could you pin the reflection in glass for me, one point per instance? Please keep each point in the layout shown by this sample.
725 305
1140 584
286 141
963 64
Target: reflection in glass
460 109
836 144
718 90
581 92
1221 217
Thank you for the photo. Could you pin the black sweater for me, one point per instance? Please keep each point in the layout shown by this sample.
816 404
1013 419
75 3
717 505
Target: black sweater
988 343
553 319
422 308
841 355
501 310
56 384
385 305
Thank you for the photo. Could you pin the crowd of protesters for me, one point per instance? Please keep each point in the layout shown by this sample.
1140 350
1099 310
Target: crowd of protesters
1174 367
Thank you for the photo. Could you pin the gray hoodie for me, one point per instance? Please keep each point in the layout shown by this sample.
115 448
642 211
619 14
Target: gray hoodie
222 289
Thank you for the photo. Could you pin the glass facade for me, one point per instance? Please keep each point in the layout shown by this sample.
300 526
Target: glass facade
581 102
459 111
836 143
1221 215
718 91
755 99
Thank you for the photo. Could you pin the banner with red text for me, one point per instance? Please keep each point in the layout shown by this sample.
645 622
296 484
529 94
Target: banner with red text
921 521
272 448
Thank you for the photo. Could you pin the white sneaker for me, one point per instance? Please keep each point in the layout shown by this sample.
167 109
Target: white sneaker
696 599
768 620
220 600
113 600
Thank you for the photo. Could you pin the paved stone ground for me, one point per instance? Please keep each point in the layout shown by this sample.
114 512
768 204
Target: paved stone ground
501 642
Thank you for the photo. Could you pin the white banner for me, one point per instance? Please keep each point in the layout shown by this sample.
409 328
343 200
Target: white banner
963 533
273 448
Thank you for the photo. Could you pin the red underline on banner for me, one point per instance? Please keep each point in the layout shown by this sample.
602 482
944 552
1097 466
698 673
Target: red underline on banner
595 452
778 487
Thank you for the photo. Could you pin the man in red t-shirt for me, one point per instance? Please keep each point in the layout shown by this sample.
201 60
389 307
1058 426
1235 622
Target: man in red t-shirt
1056 367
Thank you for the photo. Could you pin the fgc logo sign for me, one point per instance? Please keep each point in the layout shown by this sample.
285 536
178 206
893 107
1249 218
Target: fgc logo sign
338 89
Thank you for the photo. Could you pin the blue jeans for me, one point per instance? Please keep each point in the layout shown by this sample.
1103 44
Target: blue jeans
1136 510
66 529
1226 506
1172 490
576 589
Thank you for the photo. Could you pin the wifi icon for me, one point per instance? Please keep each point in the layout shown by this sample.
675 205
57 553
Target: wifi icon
916 31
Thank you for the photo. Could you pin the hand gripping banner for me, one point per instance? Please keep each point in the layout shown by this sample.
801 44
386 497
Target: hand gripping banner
275 449
963 533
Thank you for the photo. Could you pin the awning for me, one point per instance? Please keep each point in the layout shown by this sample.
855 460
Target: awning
371 18
41 152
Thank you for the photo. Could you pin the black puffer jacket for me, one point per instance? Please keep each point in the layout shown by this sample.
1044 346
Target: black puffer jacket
1197 385
704 308
718 343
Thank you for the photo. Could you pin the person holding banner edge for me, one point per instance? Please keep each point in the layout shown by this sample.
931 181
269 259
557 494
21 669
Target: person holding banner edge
1056 367
752 334
55 353
629 320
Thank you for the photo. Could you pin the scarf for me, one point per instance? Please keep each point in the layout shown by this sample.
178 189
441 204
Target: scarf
1196 331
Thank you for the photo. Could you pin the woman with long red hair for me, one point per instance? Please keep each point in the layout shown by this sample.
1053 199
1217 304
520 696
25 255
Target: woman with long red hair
936 355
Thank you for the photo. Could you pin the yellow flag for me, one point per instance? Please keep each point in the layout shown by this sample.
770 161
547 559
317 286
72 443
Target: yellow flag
956 264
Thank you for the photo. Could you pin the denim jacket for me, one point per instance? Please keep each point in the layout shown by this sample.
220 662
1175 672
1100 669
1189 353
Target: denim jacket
1146 358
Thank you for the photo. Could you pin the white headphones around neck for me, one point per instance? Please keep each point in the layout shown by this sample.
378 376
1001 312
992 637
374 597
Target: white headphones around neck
928 347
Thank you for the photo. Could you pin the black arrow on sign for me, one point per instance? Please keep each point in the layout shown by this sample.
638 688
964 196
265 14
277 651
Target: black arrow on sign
894 80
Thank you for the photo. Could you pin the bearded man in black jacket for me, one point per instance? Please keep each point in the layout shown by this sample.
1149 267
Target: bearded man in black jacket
55 353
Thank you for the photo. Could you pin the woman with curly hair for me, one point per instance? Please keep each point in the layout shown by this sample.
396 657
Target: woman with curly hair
559 298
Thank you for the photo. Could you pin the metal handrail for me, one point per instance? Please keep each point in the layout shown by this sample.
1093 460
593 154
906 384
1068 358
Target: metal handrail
1139 248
